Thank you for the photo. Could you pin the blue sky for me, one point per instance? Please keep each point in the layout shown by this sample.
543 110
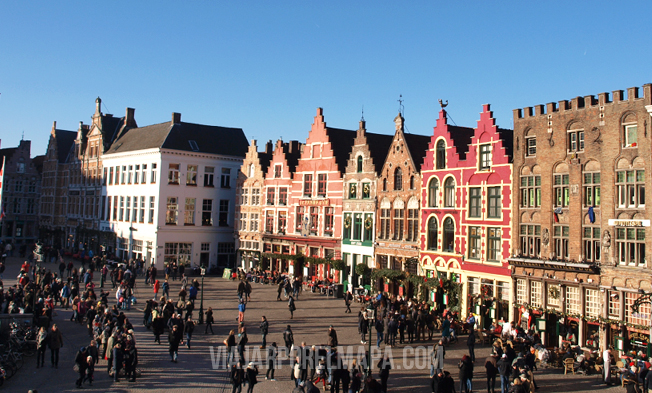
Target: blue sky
266 66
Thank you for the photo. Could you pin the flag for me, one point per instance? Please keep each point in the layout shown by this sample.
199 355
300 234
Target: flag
556 217
591 215
2 214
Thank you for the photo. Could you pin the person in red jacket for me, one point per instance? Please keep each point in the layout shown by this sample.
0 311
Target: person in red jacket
157 286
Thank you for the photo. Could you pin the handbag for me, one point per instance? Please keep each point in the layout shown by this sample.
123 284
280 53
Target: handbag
75 368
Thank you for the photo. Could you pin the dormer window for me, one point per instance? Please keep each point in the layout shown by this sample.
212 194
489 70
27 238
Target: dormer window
193 145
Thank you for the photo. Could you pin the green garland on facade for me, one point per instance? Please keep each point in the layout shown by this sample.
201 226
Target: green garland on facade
389 274
336 264
362 269
601 320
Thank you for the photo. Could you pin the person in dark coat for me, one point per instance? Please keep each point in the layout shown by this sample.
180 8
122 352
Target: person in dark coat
118 358
264 329
272 353
384 365
237 377
504 369
348 297
470 343
291 306
466 374
288 337
491 367
250 376
131 362
209 320
175 338
82 365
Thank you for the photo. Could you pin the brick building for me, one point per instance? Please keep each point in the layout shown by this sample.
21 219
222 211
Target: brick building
580 209
20 184
54 187
397 214
250 181
367 156
314 226
465 213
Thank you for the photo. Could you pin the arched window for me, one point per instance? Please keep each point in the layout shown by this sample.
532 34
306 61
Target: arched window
398 179
433 192
449 235
384 184
432 233
441 155
449 192
411 182
359 167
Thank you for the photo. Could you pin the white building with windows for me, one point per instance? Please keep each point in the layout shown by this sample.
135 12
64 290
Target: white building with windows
169 192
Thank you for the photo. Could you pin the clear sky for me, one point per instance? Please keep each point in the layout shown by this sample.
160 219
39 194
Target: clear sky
266 66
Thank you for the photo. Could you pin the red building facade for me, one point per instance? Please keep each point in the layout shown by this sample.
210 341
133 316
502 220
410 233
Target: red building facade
466 213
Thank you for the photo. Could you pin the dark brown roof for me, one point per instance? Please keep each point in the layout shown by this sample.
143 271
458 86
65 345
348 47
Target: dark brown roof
341 143
461 137
507 137
292 151
264 160
6 153
65 140
38 163
110 127
418 146
379 148
208 139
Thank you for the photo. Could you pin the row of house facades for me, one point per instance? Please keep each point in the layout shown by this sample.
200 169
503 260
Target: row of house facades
545 224
163 193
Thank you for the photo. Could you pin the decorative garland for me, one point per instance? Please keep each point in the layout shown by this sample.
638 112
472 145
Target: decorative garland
347 222
601 320
368 223
336 264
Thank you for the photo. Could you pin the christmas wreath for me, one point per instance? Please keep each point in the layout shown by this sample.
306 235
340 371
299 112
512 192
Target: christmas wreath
347 222
368 223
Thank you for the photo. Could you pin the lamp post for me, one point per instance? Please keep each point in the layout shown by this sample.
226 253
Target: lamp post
370 317
201 303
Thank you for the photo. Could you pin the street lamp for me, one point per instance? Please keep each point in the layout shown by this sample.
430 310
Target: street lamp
370 316
201 304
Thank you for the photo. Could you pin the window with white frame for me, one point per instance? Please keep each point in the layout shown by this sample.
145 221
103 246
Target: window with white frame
631 188
561 190
449 192
485 157
591 240
530 191
573 300
494 242
173 173
189 213
531 240
560 238
172 212
614 304
575 140
536 293
554 295
591 303
531 146
630 134
630 246
521 291
495 204
474 242
591 189
205 246
209 173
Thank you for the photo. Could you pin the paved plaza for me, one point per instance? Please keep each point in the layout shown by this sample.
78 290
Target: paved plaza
195 369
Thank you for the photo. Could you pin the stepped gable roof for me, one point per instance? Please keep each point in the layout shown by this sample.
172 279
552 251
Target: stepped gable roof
462 137
65 140
507 136
178 136
341 141
379 145
418 146
38 163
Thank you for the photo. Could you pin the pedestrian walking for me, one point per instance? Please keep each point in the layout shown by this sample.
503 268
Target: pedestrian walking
250 376
332 337
209 320
243 339
55 342
504 369
188 328
90 370
157 287
380 328
264 328
384 365
242 307
237 377
175 338
230 346
131 361
41 346
348 297
272 353
470 343
437 358
491 368
288 337
466 374
291 306
81 365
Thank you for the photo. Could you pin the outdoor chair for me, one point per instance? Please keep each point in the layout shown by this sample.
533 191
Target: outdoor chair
569 365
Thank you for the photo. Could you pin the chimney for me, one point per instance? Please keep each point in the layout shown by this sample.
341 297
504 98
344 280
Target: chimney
176 118
269 147
129 118
54 127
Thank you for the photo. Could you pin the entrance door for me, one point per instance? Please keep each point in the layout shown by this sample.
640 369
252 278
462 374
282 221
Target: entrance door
552 330
203 259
